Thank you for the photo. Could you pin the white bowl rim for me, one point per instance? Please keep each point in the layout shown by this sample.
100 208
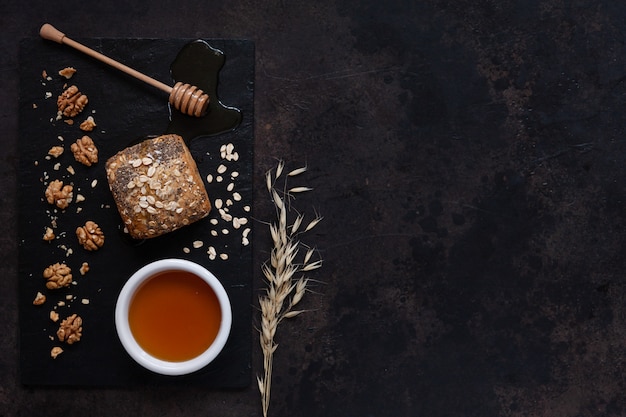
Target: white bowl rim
136 351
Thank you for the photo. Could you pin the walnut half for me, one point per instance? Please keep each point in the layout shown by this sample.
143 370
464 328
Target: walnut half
59 194
85 151
71 329
71 102
57 275
90 236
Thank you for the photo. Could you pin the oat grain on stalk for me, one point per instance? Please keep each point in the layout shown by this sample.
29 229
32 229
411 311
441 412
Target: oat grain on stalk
285 276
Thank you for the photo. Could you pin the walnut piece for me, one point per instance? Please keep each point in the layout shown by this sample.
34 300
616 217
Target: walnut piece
70 329
71 102
84 268
49 234
88 125
56 151
67 72
59 194
85 151
90 236
54 316
57 275
39 299
56 351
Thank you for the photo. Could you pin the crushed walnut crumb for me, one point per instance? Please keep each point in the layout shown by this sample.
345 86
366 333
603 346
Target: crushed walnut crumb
54 316
39 299
56 151
55 352
88 125
67 72
48 234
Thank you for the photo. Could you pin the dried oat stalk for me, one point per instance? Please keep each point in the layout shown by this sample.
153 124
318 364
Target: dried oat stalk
285 271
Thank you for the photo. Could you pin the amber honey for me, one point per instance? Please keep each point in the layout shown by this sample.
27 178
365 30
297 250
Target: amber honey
174 316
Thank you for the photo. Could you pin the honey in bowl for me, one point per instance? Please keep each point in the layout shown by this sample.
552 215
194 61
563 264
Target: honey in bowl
174 316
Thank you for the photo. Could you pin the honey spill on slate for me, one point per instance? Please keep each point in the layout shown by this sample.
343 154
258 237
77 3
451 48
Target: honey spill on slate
199 64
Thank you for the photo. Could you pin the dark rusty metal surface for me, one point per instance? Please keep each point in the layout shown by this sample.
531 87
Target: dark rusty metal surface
468 158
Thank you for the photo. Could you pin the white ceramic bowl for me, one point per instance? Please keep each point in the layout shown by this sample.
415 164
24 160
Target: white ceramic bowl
137 352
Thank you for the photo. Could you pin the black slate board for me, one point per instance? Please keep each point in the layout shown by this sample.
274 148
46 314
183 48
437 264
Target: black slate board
125 110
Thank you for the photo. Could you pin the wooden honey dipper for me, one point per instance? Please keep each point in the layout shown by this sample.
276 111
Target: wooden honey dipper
186 98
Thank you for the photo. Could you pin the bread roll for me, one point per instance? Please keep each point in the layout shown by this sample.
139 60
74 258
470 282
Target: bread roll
157 187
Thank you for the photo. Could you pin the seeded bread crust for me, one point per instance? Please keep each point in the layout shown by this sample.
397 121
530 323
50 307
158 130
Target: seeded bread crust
157 187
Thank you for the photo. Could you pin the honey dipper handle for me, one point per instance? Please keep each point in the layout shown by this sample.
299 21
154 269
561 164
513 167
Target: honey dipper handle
49 32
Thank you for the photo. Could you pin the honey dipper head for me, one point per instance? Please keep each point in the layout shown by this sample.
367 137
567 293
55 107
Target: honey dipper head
189 99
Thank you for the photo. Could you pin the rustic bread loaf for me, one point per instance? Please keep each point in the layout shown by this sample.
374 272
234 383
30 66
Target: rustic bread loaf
157 187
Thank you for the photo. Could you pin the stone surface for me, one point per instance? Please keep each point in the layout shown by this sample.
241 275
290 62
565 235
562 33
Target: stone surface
468 160
137 112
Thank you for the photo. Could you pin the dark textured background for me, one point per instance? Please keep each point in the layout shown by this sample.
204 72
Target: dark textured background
468 159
